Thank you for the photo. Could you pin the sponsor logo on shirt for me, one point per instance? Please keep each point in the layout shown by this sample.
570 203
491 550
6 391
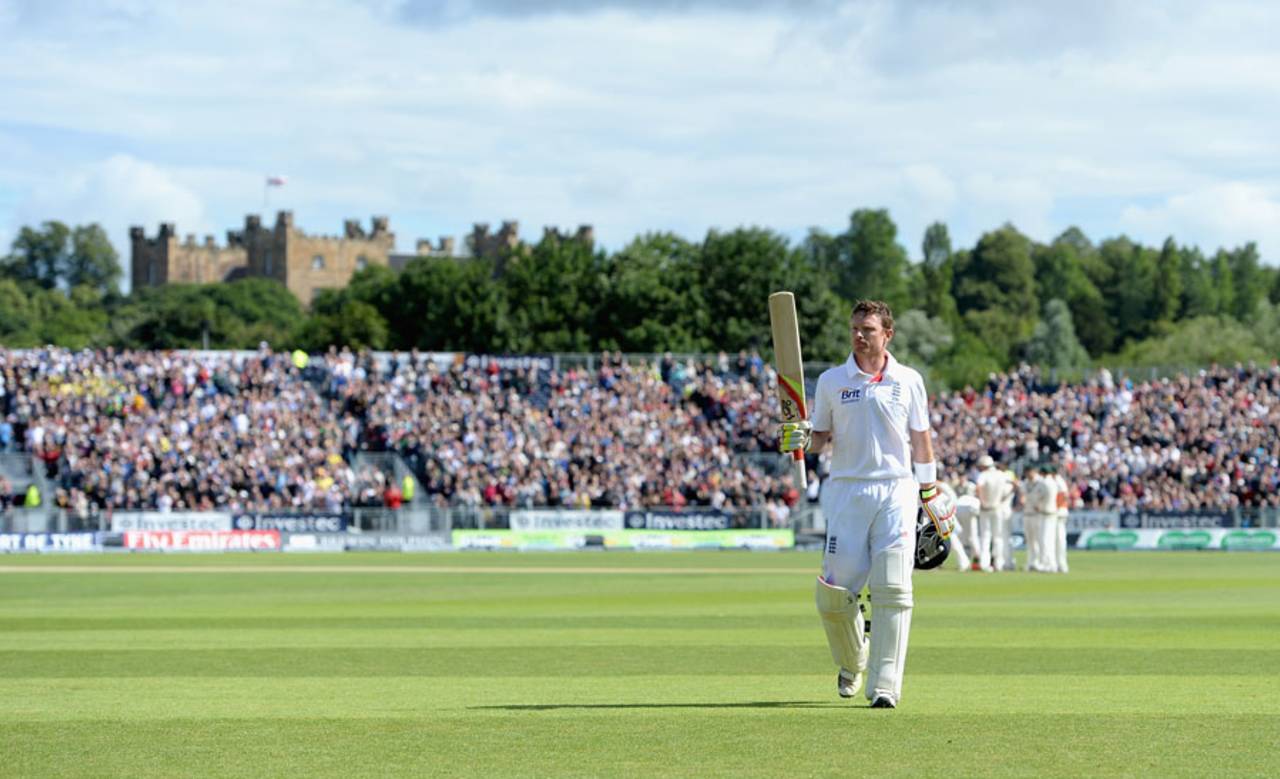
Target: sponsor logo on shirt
848 395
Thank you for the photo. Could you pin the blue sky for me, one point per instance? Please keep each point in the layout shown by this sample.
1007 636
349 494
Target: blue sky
1144 118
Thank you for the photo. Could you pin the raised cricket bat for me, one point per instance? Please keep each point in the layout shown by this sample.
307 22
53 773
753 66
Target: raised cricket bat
786 356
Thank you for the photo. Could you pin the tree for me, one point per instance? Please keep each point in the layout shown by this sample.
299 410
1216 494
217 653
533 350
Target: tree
1224 283
938 270
1199 295
968 363
354 323
554 290
1074 237
1060 272
1131 288
223 315
75 321
448 304
1193 343
920 340
376 285
1166 299
653 297
19 318
866 261
36 255
1247 280
93 262
996 290
739 269
56 256
1054 344
1265 325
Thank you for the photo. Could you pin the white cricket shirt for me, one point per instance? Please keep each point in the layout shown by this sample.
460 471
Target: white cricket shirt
869 418
993 484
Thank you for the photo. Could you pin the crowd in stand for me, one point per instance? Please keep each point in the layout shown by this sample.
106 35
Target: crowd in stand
1209 439
261 431
622 435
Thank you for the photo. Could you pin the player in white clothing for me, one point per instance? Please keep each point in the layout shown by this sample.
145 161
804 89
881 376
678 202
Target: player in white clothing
1036 518
967 508
1062 504
875 412
1004 521
991 491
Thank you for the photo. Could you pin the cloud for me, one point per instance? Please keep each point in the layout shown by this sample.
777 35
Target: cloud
1220 215
116 192
637 116
1024 202
456 10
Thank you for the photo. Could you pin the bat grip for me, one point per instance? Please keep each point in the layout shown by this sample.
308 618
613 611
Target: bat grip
798 472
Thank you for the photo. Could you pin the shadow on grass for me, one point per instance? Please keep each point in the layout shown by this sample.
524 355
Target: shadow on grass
745 705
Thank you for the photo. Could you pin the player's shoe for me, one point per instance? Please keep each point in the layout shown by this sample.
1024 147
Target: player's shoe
884 701
847 683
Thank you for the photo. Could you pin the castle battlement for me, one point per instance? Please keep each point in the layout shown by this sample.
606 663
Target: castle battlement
584 234
303 261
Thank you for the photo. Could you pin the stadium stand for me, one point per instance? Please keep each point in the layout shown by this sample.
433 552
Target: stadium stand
251 431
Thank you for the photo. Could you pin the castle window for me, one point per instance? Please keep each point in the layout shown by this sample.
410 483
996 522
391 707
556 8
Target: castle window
266 262
151 272
317 262
362 262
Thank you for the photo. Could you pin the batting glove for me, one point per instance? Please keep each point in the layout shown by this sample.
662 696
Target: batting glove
940 508
794 435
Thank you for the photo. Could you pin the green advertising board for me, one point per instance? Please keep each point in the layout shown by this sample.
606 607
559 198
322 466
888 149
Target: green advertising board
1235 540
624 539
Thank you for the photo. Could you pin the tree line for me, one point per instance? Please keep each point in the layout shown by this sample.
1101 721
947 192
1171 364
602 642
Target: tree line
961 313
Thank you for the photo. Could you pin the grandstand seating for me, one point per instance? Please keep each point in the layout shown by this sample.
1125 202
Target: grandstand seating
252 431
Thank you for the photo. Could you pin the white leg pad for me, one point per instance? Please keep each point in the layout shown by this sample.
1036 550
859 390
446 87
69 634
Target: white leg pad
1060 525
958 543
842 620
891 603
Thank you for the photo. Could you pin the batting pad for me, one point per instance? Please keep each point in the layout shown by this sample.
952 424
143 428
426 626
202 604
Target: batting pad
891 603
842 620
890 582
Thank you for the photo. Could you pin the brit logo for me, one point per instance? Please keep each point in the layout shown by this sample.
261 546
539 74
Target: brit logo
850 395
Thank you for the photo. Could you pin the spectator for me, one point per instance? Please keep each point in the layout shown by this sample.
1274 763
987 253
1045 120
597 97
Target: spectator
252 431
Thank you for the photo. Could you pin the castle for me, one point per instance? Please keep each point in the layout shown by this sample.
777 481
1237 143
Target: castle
302 262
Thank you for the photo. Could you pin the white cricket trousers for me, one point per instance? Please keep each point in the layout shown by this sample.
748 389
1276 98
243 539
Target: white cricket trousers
971 535
1005 535
1060 544
1032 531
865 519
986 536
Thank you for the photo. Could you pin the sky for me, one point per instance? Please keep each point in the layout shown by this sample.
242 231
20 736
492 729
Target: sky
1148 119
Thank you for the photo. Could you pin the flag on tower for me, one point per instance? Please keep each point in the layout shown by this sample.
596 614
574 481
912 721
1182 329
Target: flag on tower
276 181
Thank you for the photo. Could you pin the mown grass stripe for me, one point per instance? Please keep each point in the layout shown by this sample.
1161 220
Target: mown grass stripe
509 570
612 660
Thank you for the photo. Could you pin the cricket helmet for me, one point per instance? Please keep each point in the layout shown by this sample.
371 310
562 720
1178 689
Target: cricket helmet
931 548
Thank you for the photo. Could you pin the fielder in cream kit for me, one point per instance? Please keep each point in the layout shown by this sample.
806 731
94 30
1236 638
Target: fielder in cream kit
874 411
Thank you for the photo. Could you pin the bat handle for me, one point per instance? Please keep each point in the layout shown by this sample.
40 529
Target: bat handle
797 472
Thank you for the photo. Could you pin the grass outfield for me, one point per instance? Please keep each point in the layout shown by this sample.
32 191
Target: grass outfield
617 664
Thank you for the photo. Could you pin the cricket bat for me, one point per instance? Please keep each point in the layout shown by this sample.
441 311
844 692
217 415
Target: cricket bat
786 357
